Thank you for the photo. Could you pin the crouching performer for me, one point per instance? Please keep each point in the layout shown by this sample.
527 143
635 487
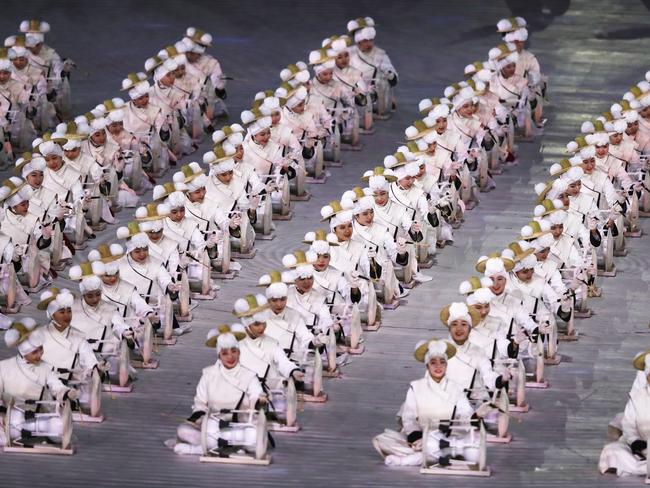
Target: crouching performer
438 422
264 355
224 425
629 455
36 417
67 350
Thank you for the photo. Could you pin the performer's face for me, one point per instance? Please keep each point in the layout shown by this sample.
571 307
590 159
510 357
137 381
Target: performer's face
35 356
557 230
366 217
381 197
459 330
343 231
63 317
229 357
35 179
543 254
498 284
322 262
278 304
343 60
437 368
483 309
93 298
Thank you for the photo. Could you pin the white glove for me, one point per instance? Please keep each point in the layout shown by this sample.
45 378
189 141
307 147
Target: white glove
319 340
214 238
47 232
565 306
271 187
263 399
254 202
73 394
506 375
19 250
545 328
401 245
416 227
298 375
128 334
520 335
372 253
86 196
353 279
60 211
173 288
235 221
484 409
184 261
592 222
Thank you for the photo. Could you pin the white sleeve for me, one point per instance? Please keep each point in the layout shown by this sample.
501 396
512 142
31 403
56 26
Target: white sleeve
302 334
163 278
253 391
87 358
284 364
464 410
139 306
202 395
197 240
630 430
54 384
119 325
324 319
488 375
390 247
410 413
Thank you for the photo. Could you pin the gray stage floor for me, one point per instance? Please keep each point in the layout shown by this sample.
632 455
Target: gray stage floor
592 52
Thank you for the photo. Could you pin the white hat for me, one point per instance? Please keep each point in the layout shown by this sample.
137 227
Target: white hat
90 283
58 299
558 187
574 174
24 335
363 204
495 267
6 65
139 90
520 34
482 295
49 148
365 34
435 349
98 124
138 241
409 169
529 262
23 193
378 182
464 96
299 95
223 166
164 69
176 200
542 242
199 182
459 311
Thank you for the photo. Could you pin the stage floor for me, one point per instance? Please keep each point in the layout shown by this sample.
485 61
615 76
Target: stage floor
592 53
